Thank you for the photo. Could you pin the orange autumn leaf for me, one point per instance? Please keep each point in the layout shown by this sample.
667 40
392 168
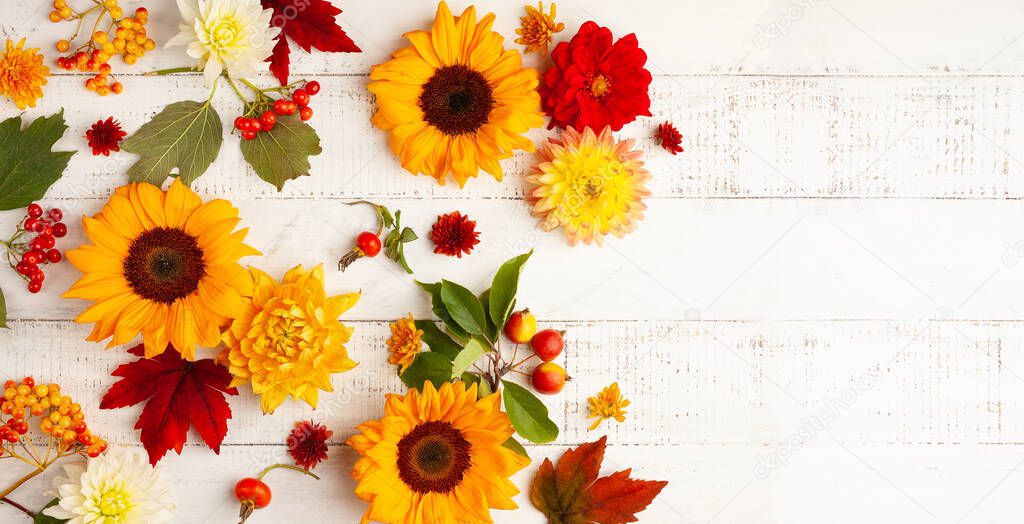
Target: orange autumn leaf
571 493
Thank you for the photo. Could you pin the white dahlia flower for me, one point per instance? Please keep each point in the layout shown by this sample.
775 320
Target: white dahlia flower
226 35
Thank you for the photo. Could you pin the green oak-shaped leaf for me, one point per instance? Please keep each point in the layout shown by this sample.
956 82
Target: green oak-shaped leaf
282 154
185 135
27 165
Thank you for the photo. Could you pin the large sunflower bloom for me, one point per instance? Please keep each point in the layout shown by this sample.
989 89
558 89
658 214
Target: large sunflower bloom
22 74
288 340
163 264
456 101
436 458
591 185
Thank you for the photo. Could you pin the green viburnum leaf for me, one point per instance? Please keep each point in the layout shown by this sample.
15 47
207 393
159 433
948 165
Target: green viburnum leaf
27 165
474 350
504 289
439 309
528 414
185 135
438 341
3 310
464 307
427 366
514 445
46 519
282 154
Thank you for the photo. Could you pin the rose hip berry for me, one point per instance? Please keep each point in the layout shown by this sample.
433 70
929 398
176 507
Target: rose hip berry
368 243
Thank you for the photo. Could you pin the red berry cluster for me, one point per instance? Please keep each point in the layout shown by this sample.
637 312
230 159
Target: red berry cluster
250 126
25 257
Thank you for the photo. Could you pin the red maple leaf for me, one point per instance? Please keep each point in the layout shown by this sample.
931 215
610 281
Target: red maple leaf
178 394
310 24
571 493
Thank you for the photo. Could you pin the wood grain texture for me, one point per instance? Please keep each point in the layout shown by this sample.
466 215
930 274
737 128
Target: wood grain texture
818 321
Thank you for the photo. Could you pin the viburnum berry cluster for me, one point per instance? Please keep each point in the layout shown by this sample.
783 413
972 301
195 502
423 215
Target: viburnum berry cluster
26 256
123 35
59 417
262 113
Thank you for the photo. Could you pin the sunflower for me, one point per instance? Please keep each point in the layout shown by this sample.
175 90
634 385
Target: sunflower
436 457
590 184
288 339
22 74
163 264
456 101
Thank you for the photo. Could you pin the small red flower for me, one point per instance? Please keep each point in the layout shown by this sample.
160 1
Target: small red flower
454 234
307 444
596 82
669 138
105 136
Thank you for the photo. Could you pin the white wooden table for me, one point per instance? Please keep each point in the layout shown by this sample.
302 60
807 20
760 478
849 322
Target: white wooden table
819 320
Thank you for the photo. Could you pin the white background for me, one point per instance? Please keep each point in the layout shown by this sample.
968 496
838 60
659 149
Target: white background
819 320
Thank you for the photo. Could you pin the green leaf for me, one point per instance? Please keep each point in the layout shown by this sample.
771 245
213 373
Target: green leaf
439 309
514 445
46 519
282 154
470 378
464 307
408 235
427 366
505 287
529 415
438 341
484 389
3 310
492 329
28 167
474 350
185 135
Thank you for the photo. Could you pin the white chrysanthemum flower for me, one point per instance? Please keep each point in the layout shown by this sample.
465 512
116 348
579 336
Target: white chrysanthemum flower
118 487
226 35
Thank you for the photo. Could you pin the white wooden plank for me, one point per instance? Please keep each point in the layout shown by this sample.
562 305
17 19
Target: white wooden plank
689 382
745 137
723 259
688 37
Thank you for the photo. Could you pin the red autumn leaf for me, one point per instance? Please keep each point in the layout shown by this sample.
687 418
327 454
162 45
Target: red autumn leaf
178 394
571 493
310 24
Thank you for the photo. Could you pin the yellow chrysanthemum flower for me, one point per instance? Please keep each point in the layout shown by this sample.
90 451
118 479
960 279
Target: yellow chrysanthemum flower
537 29
164 264
589 184
436 457
22 74
606 405
405 342
456 101
288 340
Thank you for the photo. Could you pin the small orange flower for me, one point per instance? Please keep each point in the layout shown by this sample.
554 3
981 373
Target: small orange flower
537 29
607 404
22 74
405 342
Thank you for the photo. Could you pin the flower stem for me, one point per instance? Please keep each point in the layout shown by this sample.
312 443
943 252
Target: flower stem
21 508
171 71
286 466
16 485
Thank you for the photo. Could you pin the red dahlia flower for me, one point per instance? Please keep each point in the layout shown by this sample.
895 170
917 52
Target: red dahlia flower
595 82
105 136
454 234
307 444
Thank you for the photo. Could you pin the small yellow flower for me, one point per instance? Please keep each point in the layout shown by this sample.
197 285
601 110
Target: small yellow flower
22 74
607 404
537 29
289 340
405 342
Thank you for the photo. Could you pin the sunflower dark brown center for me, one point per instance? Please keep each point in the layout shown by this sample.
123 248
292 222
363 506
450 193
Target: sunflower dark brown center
457 100
433 457
164 264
